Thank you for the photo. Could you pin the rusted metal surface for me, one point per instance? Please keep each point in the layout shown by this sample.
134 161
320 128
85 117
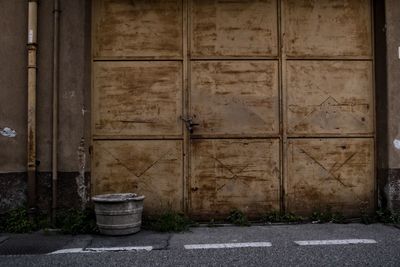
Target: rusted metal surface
335 173
234 28
137 98
140 28
150 168
228 174
259 111
329 97
327 28
231 97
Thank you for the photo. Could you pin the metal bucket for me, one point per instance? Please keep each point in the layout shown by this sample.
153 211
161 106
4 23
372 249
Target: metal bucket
118 214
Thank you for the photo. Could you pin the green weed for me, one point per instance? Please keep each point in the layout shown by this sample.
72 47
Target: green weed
327 216
75 221
381 216
277 217
18 221
237 217
169 221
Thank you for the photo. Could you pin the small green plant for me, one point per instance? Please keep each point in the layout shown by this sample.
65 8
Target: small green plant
76 221
18 221
386 216
169 221
381 216
272 217
327 216
277 217
237 217
320 217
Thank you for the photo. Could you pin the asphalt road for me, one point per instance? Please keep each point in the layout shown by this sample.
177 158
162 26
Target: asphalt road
378 245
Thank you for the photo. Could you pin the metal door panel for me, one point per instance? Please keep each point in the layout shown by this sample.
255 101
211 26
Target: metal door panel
327 28
330 173
235 97
137 98
137 28
234 28
282 91
152 168
234 173
329 97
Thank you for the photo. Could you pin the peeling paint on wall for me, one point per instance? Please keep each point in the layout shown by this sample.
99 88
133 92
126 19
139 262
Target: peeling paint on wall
396 143
80 179
69 94
8 132
84 110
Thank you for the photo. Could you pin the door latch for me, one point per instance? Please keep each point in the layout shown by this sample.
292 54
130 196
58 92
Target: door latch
189 123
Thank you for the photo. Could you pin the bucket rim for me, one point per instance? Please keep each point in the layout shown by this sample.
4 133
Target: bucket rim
117 197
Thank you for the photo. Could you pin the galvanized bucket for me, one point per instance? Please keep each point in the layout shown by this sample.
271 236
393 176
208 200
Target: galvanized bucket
118 214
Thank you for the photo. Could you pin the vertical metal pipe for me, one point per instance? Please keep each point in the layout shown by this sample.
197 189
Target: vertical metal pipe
32 67
56 25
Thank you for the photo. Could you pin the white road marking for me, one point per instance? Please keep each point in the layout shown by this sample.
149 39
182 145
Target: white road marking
229 245
147 248
68 250
92 250
335 242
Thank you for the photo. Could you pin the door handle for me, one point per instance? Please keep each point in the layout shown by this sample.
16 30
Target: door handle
189 123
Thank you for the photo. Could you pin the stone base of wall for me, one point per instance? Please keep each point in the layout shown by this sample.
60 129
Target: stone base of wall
389 189
73 190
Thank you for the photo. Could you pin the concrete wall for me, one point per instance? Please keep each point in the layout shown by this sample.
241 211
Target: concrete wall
74 98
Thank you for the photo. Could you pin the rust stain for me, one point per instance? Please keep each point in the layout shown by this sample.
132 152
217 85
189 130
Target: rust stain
327 97
330 173
234 28
235 97
140 28
137 98
151 168
229 174
328 28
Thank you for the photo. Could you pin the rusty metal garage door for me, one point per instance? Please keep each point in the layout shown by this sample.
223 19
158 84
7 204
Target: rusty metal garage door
260 105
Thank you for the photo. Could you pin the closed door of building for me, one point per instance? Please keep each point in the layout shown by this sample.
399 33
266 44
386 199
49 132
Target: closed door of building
257 105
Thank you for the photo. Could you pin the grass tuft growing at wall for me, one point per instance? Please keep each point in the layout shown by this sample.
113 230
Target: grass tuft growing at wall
237 217
168 221
279 217
75 221
69 221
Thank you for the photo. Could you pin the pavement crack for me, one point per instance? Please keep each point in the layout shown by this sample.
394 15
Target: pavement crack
4 239
88 244
167 244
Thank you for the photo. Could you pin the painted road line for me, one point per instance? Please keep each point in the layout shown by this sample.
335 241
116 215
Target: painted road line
93 250
229 245
147 248
67 250
335 242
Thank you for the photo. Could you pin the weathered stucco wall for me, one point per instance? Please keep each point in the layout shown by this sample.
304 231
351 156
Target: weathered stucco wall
393 100
75 64
74 98
13 83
